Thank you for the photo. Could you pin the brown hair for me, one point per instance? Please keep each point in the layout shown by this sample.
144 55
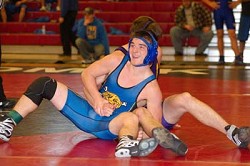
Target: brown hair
148 24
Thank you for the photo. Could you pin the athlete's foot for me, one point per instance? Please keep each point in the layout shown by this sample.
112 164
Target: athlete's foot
170 141
128 147
6 127
240 136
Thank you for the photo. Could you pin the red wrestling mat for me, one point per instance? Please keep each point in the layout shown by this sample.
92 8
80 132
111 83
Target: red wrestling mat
227 92
75 148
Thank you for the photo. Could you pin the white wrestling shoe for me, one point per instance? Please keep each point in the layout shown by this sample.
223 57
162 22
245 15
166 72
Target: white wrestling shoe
128 147
6 127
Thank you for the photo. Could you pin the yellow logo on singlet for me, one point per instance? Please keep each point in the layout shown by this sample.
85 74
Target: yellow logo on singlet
112 98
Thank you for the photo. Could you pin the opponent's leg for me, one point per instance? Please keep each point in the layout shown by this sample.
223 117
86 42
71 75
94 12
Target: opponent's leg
239 136
170 141
175 106
155 129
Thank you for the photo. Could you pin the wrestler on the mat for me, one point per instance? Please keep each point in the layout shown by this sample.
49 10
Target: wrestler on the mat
105 112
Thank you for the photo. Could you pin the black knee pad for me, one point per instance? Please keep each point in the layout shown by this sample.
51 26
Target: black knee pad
41 88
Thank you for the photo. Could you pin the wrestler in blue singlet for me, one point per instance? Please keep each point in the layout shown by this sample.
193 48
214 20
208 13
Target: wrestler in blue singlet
81 113
224 15
155 69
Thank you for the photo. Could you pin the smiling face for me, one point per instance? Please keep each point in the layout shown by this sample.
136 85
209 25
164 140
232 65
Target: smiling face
138 51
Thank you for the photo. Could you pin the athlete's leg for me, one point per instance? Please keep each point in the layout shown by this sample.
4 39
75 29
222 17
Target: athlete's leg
125 126
175 106
41 88
154 128
220 41
234 46
233 40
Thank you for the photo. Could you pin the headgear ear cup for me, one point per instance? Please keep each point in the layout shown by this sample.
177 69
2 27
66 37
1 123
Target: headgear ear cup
152 50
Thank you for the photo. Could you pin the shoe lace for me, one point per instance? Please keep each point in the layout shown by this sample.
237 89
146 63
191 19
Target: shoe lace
232 134
6 127
126 142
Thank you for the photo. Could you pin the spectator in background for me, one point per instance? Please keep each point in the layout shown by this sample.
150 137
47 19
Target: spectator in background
4 102
67 19
92 40
192 19
47 4
223 13
244 27
12 7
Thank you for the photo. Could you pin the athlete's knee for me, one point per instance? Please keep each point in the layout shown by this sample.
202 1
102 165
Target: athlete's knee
178 100
141 112
220 33
43 87
130 118
184 98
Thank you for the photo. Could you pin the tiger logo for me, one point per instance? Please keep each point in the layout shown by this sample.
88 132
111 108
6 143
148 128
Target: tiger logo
113 98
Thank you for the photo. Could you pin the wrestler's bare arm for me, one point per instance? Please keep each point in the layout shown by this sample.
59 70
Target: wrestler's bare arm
90 76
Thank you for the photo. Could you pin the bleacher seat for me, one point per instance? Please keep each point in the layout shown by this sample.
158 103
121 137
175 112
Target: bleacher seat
117 15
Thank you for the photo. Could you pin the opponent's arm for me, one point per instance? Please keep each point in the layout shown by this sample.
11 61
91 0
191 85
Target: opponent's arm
153 96
154 101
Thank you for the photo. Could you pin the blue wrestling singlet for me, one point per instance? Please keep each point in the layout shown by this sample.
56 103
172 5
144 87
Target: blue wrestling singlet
155 69
81 113
224 15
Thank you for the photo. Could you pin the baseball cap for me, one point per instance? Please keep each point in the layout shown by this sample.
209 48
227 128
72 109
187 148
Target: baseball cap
88 10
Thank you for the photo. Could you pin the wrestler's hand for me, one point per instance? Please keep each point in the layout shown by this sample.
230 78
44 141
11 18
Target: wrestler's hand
103 107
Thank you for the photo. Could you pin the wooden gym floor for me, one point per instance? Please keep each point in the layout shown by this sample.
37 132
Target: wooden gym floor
46 137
